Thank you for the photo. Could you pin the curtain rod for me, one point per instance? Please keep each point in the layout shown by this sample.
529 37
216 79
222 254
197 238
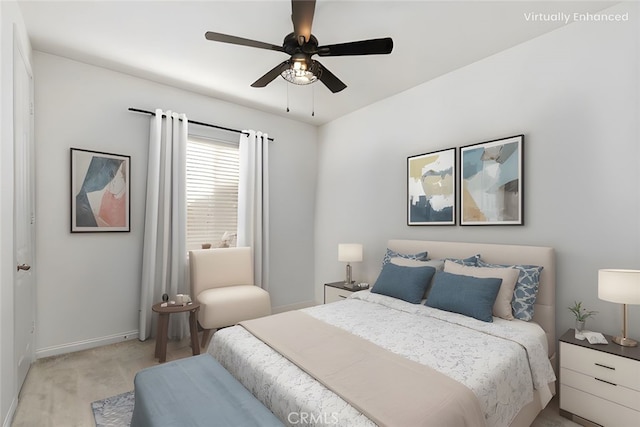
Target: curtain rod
137 110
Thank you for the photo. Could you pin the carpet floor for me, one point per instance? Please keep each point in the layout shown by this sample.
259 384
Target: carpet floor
59 390
91 387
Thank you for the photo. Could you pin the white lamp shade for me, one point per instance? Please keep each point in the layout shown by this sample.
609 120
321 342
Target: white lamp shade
621 286
350 252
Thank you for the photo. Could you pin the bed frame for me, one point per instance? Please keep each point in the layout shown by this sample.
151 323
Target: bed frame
544 313
544 309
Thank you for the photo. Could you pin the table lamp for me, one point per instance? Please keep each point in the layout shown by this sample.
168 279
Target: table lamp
349 252
623 287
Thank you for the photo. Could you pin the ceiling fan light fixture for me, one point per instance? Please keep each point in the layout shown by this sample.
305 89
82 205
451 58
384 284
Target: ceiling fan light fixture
301 71
299 77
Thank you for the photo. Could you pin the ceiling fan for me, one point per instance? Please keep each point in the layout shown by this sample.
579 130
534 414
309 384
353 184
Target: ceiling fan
301 45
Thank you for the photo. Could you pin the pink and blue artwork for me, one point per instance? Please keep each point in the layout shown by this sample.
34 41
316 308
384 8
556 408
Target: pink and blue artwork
100 187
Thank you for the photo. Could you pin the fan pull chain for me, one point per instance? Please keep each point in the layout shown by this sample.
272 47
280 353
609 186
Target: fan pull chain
287 97
313 101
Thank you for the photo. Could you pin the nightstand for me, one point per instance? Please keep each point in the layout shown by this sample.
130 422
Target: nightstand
599 383
337 291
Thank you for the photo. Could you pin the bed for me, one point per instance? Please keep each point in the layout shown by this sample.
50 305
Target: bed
507 365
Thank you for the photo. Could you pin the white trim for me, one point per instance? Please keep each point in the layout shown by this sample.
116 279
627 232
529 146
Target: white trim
86 344
12 411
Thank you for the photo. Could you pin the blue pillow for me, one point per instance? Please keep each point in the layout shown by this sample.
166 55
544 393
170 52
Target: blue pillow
526 290
472 261
420 256
471 296
405 283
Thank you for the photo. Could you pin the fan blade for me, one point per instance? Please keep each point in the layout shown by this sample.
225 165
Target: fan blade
302 17
225 38
271 75
333 83
363 47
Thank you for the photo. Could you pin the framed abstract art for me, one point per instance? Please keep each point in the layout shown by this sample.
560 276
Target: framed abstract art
100 191
431 188
492 182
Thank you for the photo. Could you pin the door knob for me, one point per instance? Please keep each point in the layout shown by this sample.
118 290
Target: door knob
24 267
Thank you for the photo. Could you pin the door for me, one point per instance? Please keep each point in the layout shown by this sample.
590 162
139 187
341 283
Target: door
24 282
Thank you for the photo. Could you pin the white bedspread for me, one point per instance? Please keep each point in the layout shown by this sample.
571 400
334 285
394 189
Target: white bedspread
499 364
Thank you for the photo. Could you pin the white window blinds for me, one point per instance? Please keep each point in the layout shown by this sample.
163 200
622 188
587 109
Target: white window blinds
212 190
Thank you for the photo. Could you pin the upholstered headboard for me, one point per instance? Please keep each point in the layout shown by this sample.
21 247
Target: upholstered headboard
544 309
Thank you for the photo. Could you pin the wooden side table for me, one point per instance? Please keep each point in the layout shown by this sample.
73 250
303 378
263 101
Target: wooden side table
163 327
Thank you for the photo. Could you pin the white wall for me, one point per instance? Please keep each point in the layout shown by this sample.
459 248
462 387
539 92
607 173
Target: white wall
88 289
11 25
572 92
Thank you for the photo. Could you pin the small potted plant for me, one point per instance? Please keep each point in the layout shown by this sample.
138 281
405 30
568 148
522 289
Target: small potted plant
581 314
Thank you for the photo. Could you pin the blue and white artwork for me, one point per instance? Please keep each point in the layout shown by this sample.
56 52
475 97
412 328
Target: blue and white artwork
431 188
491 190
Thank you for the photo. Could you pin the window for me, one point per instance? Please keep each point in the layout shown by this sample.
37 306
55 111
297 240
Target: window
212 190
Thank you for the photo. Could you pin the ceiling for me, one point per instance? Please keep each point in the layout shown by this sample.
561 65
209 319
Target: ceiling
164 41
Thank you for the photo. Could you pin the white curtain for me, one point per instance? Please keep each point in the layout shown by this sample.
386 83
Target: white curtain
253 201
164 259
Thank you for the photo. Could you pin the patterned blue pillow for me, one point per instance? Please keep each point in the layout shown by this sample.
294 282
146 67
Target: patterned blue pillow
421 256
472 261
526 291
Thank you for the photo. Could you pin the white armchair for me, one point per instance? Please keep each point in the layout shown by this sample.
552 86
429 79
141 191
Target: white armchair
222 282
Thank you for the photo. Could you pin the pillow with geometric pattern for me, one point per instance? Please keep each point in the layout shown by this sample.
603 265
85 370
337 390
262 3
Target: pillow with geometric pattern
472 261
420 256
526 290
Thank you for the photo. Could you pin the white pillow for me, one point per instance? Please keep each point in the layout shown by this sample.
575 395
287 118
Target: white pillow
509 276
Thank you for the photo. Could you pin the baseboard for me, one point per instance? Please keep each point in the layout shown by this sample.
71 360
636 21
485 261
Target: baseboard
10 414
289 307
85 345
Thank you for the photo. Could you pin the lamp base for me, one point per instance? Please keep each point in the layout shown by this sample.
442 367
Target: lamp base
348 279
625 342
